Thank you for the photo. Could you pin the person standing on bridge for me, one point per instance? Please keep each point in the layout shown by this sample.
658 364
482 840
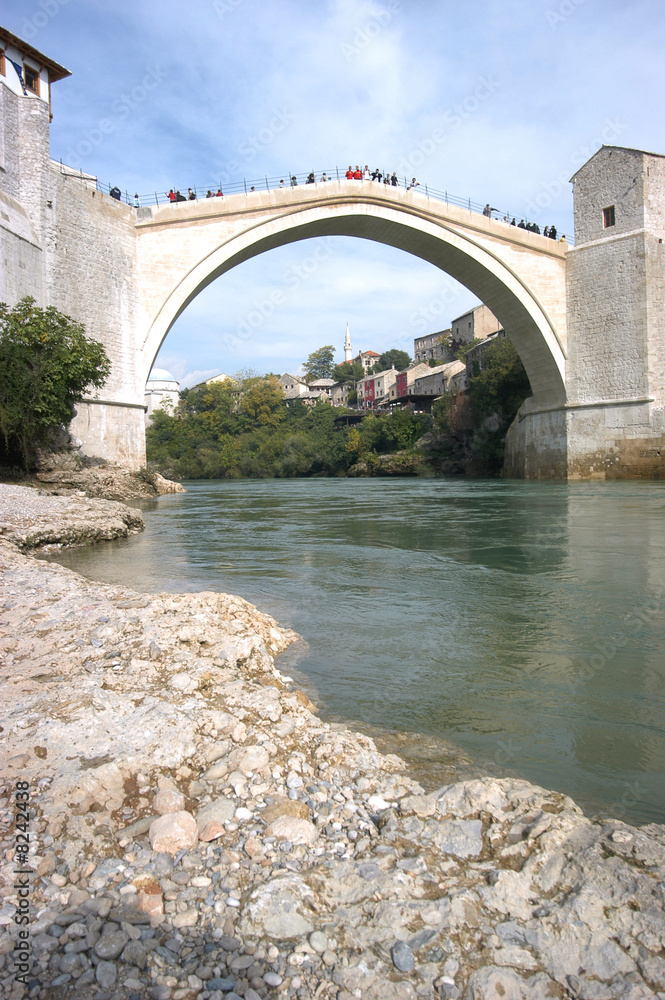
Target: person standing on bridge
414 184
487 211
552 232
219 193
294 181
357 173
190 195
393 180
324 177
310 178
377 175
349 173
367 176
171 196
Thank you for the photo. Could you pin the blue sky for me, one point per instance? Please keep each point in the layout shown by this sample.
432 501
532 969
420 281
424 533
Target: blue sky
523 90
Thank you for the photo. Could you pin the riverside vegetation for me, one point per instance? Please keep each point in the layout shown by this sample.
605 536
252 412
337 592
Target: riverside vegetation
246 429
198 833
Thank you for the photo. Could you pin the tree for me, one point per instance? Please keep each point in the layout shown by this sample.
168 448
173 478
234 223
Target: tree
503 384
350 372
46 365
320 364
394 358
464 349
261 401
446 341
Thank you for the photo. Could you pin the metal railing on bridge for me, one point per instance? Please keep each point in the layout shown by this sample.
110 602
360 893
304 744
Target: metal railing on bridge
248 186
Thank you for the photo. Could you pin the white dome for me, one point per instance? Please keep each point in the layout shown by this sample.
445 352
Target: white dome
161 375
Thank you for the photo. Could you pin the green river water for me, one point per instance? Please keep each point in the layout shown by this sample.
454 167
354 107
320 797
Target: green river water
484 626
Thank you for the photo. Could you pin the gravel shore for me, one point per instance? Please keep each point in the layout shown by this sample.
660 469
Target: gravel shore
196 832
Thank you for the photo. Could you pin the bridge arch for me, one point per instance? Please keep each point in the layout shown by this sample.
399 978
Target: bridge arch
522 304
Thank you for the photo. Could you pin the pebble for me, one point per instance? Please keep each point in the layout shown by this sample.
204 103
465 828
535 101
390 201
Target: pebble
111 944
402 956
318 941
106 975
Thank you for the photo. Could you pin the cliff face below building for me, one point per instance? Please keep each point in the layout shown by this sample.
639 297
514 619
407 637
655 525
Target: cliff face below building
197 830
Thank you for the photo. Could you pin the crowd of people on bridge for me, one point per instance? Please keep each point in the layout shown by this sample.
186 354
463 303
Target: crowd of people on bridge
531 227
354 174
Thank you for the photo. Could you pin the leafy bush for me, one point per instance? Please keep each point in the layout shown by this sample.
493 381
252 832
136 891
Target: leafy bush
46 365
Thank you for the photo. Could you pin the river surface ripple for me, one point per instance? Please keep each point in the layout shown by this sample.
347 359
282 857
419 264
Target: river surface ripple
519 623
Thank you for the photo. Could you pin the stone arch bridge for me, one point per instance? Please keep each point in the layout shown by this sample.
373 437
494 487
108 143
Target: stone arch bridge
588 321
180 248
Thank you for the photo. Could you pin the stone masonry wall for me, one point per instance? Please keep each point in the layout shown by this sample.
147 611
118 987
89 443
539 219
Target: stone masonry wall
654 202
91 260
612 177
607 320
21 258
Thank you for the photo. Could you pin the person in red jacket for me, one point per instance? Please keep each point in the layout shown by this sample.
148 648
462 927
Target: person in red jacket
171 196
349 173
358 174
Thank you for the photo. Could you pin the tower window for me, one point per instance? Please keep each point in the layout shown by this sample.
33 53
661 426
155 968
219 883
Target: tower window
608 217
31 77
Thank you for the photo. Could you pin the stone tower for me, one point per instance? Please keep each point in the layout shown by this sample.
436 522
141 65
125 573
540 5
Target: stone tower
615 373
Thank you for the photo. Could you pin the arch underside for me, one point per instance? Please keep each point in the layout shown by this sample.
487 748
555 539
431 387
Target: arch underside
482 272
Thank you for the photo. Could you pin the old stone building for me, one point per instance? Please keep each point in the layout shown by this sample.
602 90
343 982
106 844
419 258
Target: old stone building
432 345
476 324
292 385
437 381
162 392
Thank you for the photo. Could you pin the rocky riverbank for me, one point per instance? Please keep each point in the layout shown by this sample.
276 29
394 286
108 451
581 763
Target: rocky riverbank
197 831
107 482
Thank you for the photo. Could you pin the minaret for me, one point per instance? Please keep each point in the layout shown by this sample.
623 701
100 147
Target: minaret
348 352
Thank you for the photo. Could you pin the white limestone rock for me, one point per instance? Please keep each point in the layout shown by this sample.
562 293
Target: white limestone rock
279 909
173 832
298 831
168 800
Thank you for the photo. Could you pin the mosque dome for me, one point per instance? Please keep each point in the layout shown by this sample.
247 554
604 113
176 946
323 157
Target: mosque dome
161 375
